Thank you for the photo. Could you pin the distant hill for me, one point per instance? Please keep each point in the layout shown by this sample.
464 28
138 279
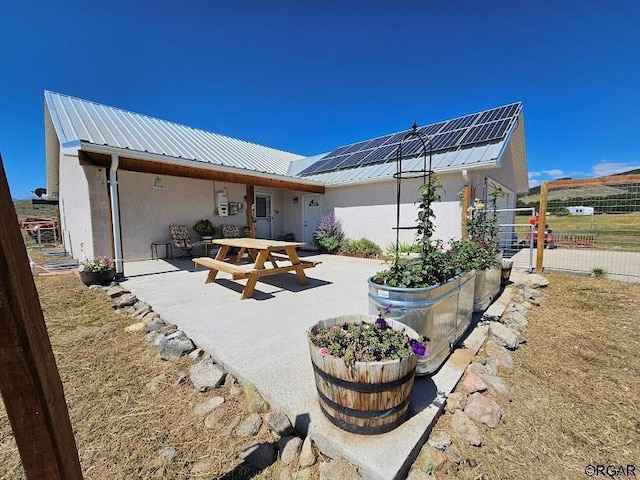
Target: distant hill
24 208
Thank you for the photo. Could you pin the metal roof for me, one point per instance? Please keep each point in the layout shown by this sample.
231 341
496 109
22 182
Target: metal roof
78 121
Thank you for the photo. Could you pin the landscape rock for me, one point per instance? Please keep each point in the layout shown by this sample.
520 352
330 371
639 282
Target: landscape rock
182 379
150 316
289 449
499 357
456 401
96 287
126 300
202 409
338 468
480 369
303 474
483 410
156 383
473 383
233 423
175 346
140 313
253 399
453 454
439 440
117 291
260 455
307 454
535 281
503 335
519 320
135 327
196 354
278 422
229 381
416 474
200 468
249 426
166 454
429 459
155 324
497 387
206 375
214 418
465 429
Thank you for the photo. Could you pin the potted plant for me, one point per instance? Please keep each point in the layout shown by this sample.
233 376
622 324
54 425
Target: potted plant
364 368
205 229
430 293
480 250
98 271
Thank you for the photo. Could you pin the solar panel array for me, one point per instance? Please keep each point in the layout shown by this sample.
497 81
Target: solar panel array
471 129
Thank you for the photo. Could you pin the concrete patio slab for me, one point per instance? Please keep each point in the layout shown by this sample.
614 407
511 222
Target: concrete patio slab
263 341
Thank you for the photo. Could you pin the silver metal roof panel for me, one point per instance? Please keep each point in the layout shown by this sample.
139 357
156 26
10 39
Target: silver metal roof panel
80 120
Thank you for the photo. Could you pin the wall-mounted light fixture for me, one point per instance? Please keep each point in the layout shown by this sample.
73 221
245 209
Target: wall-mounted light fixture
295 200
157 183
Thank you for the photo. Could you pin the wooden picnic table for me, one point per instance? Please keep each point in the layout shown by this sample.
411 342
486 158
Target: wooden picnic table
264 257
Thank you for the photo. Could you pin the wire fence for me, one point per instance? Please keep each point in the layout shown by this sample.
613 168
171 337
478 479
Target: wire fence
592 226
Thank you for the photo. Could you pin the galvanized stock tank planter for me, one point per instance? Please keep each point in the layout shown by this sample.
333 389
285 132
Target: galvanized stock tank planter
363 397
488 282
441 312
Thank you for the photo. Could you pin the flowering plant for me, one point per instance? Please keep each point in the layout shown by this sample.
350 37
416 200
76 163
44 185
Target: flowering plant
98 264
366 342
328 235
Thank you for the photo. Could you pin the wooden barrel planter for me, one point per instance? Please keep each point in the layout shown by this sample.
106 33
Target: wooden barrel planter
366 397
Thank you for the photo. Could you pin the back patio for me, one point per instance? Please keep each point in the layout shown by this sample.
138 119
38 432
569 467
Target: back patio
262 340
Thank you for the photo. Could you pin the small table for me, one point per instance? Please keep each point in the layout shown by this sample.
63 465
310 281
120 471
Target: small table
260 252
206 246
168 250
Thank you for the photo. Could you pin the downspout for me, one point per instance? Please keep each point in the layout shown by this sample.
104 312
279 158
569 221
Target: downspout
115 215
466 201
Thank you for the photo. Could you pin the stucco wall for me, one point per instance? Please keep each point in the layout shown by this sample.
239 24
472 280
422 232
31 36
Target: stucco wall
83 198
146 212
369 210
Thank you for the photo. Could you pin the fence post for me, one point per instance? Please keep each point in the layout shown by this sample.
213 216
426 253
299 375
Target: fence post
542 222
29 380
466 199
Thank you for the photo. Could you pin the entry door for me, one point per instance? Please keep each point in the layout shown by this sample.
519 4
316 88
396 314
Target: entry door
263 216
311 213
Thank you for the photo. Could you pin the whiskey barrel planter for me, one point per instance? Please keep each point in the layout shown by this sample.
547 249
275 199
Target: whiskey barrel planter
98 278
366 397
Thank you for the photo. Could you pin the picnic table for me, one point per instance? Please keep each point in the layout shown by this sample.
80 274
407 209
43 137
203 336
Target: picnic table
256 258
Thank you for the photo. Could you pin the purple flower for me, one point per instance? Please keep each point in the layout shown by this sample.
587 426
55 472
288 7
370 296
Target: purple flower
324 352
381 323
418 348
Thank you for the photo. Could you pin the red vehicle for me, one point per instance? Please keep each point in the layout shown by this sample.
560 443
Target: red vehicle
549 237
33 225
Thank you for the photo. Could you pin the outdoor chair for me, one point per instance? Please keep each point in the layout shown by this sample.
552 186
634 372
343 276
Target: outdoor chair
181 239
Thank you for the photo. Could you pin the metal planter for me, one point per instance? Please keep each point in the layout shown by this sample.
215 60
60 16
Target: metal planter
441 312
487 286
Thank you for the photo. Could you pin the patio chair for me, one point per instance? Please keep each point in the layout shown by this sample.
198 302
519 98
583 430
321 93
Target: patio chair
181 239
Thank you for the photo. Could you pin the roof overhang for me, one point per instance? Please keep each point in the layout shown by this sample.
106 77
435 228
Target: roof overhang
145 162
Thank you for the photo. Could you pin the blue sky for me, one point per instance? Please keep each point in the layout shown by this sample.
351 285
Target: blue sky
310 76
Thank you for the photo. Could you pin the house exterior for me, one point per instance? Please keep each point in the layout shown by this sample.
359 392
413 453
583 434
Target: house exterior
122 178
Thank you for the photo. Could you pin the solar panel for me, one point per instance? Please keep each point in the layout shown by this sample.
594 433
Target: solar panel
479 127
381 154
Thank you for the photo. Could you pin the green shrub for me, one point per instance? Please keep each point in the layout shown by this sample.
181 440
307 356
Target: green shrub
364 246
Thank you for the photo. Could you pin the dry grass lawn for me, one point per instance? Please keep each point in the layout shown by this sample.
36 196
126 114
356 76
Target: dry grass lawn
575 393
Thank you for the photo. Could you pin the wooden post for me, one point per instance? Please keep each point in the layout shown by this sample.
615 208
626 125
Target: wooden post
466 199
542 219
250 217
29 379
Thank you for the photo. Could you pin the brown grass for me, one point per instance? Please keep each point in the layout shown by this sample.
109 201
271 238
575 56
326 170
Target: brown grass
575 388
575 393
119 425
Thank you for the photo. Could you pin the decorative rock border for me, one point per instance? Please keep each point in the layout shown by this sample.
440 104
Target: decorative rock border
484 390
297 455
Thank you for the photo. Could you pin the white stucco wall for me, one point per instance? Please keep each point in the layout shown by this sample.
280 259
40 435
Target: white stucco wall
84 208
369 210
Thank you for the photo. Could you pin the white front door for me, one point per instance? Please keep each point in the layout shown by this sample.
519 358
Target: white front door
311 213
263 216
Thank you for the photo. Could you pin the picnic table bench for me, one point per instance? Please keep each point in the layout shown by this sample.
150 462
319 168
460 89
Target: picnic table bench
259 251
